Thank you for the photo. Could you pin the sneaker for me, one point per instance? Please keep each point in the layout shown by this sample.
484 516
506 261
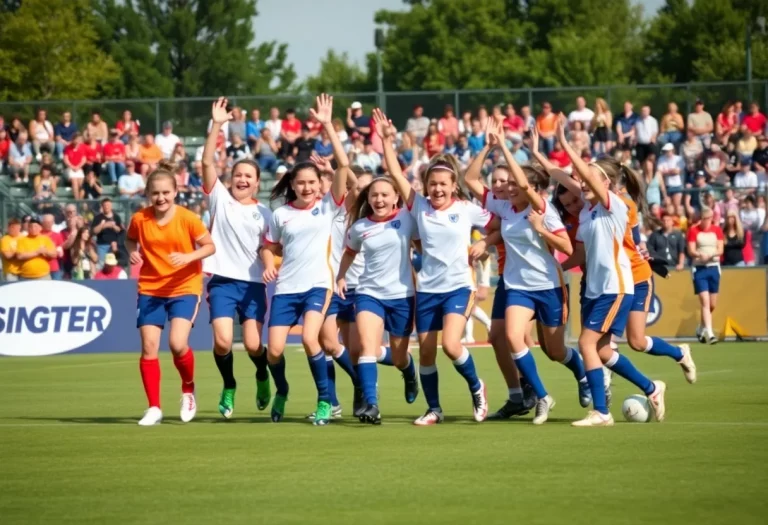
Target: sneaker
711 339
278 408
480 403
411 389
263 394
335 413
371 415
152 416
430 417
227 402
510 409
543 406
594 419
607 379
323 414
188 407
656 400
687 364
585 395
358 402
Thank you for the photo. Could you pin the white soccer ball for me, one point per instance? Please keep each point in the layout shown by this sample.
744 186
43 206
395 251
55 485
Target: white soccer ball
636 409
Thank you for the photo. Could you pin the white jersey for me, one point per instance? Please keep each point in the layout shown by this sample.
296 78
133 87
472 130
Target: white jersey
530 264
445 239
385 247
602 230
338 237
305 235
237 231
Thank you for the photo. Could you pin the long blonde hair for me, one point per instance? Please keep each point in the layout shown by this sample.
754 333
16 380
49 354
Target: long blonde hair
737 224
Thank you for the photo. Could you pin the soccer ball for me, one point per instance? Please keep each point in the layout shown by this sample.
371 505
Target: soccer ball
636 409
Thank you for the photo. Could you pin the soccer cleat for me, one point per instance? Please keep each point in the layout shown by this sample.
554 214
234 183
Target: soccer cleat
607 377
528 394
335 413
701 335
480 403
430 417
323 414
656 400
594 419
510 409
585 395
371 415
358 402
263 394
188 407
543 406
411 389
278 408
152 416
687 364
227 402
711 338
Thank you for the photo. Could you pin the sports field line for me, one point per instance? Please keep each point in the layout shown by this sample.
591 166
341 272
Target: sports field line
760 424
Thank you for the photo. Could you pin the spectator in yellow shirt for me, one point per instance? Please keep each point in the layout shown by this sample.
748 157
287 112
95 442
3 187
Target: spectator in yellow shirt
33 252
8 246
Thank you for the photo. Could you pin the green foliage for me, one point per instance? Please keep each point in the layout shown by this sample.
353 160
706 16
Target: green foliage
52 57
338 74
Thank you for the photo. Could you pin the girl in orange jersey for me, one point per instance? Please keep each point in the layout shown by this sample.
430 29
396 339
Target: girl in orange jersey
170 243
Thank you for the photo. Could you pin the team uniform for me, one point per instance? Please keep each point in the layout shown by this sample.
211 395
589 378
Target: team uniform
706 275
343 309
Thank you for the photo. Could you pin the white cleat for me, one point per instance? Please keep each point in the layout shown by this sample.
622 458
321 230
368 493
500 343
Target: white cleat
543 406
656 400
188 407
687 364
594 419
152 416
480 403
431 417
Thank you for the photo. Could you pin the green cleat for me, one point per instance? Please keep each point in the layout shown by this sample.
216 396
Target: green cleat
227 402
322 414
263 394
278 408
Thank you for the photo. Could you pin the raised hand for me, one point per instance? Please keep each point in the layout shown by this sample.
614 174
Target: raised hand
494 133
560 127
323 164
219 113
534 140
383 125
324 112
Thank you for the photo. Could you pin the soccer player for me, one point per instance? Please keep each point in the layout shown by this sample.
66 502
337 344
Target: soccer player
236 287
705 246
301 228
444 285
169 242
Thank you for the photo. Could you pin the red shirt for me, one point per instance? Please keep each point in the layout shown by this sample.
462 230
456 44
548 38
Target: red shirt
93 153
514 124
112 149
291 126
755 123
57 240
314 126
101 275
5 145
130 126
75 155
560 158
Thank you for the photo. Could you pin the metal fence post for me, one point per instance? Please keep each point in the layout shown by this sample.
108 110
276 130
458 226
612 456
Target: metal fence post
157 116
456 105
530 100
687 98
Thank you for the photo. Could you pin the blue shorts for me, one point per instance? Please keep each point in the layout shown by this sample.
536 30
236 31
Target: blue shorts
607 313
343 309
396 313
548 306
227 297
155 311
288 308
499 297
643 296
432 307
706 279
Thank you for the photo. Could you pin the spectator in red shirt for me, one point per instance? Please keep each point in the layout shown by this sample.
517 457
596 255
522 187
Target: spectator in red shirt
755 121
110 270
433 142
448 125
559 157
48 222
114 156
93 156
314 127
514 125
5 146
127 126
290 131
74 160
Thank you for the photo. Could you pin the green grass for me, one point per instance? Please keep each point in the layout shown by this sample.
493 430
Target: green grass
71 452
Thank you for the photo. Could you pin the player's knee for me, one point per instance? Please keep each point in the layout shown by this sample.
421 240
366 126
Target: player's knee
310 342
222 343
150 349
636 343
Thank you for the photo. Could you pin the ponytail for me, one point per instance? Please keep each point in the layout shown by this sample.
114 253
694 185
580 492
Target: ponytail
165 169
537 176
283 188
635 185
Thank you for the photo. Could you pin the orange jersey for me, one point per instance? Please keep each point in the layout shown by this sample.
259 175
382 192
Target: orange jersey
641 270
501 257
158 277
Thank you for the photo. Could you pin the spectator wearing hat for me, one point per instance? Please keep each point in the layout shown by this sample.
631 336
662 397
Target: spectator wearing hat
167 140
418 124
357 122
701 124
280 171
34 253
671 168
110 270
755 121
698 193
290 132
114 156
8 248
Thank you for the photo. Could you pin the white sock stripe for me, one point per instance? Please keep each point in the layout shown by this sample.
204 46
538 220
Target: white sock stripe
367 359
341 353
568 355
427 370
520 355
648 344
318 356
515 391
463 357
328 357
613 359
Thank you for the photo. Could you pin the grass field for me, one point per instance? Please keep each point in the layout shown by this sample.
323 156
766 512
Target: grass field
71 452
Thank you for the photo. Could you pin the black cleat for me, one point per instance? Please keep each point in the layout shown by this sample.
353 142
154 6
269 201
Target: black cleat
411 389
358 404
371 415
510 409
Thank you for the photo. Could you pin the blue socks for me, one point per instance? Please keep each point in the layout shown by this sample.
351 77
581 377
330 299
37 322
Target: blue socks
624 367
596 379
658 346
331 380
278 374
428 375
385 358
409 372
320 374
368 375
527 367
465 366
345 362
574 363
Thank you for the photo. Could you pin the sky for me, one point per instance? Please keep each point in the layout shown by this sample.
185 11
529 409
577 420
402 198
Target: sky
312 27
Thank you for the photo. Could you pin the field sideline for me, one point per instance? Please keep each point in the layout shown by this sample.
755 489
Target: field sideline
71 451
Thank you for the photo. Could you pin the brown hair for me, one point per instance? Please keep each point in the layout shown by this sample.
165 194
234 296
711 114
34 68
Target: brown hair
362 208
537 176
622 176
165 169
283 187
248 162
444 162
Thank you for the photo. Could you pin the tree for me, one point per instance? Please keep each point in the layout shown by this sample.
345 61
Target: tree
52 57
337 74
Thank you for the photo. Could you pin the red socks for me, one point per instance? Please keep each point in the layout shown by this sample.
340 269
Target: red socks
186 367
150 377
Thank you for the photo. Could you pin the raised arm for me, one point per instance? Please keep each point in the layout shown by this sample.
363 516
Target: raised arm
473 176
496 138
386 132
324 115
582 168
219 116
560 176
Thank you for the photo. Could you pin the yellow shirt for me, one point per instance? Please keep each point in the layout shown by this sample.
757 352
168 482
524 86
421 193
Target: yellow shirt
10 266
37 266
